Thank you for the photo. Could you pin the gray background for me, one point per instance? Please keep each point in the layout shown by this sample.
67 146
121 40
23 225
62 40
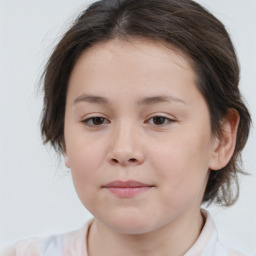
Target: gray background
37 197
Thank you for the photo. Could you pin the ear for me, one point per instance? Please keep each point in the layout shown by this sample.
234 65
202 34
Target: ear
64 153
66 158
224 145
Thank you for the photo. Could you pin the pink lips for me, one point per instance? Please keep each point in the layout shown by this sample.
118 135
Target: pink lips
128 188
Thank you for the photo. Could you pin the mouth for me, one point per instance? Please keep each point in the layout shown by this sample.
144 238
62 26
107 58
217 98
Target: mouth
126 189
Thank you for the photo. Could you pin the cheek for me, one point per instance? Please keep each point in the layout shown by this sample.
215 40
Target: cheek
83 150
84 166
183 154
182 166
84 161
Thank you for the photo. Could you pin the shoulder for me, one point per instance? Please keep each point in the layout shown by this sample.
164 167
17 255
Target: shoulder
71 244
229 250
11 251
232 252
24 247
225 249
210 241
33 247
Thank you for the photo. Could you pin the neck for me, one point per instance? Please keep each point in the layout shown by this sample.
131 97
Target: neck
175 239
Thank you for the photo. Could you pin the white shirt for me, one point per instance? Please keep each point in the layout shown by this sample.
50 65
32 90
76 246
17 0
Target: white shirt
73 243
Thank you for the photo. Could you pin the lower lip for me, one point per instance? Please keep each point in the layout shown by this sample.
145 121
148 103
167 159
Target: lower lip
127 191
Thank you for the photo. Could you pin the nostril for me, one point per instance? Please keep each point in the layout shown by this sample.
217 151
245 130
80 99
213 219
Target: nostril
124 161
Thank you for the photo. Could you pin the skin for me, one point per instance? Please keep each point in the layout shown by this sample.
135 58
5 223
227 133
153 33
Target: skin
172 154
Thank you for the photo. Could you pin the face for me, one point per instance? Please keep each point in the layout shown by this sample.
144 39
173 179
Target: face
137 135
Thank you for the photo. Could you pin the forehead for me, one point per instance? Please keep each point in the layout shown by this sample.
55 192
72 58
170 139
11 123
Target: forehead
141 49
138 65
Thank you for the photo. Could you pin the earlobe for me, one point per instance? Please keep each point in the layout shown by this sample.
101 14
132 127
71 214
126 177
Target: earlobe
66 159
224 145
65 155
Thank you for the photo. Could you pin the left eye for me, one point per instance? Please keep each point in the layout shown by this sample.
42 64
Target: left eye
95 121
160 120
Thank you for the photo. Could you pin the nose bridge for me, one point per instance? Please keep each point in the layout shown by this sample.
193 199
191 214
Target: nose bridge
125 145
123 130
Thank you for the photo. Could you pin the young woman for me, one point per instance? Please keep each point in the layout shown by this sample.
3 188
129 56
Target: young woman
142 99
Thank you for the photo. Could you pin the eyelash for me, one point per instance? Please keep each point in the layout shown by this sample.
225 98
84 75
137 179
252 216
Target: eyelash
88 121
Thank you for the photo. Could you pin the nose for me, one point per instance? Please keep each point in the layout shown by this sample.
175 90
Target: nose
126 146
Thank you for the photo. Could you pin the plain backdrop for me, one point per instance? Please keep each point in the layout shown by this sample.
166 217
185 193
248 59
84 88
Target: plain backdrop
37 197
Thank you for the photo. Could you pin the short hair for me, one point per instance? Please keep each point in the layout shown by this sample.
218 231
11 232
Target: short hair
180 24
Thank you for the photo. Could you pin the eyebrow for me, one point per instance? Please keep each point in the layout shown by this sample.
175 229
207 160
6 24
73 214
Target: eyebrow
144 101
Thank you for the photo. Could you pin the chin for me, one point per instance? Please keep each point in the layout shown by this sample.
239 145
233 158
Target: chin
130 224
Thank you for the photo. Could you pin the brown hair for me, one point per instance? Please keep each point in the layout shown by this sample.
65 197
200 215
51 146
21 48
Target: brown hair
182 24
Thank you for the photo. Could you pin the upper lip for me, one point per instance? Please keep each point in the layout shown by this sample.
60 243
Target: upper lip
126 184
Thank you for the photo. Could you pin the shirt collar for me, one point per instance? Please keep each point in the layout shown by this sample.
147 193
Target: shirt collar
206 242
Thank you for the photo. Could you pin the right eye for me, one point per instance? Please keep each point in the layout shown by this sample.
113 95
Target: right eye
95 121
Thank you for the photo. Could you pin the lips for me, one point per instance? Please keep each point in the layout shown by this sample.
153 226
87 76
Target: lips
127 184
126 189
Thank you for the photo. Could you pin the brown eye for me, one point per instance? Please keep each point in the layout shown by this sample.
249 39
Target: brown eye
95 121
159 120
98 120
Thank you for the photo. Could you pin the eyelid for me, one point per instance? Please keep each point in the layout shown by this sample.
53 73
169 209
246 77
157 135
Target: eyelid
165 115
86 120
170 119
